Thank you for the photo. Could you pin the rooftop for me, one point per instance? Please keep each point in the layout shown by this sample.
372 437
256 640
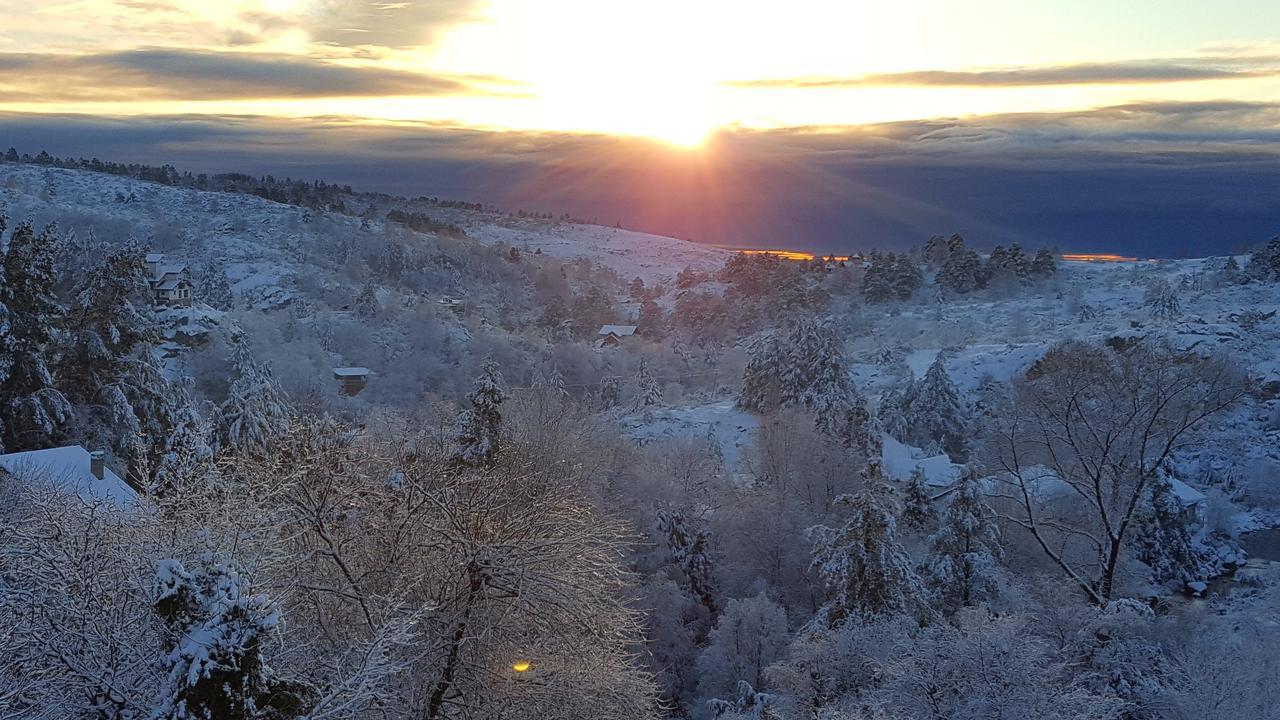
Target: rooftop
67 469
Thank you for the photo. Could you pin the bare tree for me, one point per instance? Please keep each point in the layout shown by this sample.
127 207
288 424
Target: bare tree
1096 424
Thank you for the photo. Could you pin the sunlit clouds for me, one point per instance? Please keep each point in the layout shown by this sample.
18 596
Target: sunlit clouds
675 71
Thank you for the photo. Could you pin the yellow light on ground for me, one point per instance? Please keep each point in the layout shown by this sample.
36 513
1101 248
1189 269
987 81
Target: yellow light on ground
521 666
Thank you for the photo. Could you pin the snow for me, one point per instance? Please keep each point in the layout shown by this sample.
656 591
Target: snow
900 461
619 330
731 428
351 371
67 469
1185 493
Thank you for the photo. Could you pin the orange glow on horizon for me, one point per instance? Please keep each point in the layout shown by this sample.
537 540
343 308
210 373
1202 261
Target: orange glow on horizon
1097 257
796 255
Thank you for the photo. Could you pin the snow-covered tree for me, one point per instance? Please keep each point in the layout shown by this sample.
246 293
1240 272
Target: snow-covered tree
936 251
890 413
690 550
33 412
748 637
750 704
255 412
965 550
1043 265
867 572
110 371
879 281
1162 538
652 323
187 448
962 273
213 288
217 629
478 429
907 278
648 389
1161 299
917 503
934 412
762 379
367 301
1264 265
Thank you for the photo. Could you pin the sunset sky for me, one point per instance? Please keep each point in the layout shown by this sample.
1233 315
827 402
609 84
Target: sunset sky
1181 75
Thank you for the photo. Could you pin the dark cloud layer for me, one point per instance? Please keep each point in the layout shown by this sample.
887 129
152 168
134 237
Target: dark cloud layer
1079 74
1152 179
174 74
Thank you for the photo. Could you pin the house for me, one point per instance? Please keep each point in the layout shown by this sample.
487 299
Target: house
1192 500
351 380
612 335
452 304
70 469
170 283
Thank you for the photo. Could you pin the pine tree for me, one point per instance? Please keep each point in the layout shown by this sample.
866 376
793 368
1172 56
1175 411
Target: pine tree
1264 265
762 379
907 278
862 564
690 551
1162 538
110 372
652 323
187 448
1044 265
962 272
936 251
213 288
477 439
636 288
878 282
217 629
965 550
1162 300
367 301
648 390
917 505
255 412
610 392
890 413
935 413
33 412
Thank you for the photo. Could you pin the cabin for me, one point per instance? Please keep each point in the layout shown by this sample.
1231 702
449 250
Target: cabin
351 380
70 469
1192 500
170 283
451 304
612 335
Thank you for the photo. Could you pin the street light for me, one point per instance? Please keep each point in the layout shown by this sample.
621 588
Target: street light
521 666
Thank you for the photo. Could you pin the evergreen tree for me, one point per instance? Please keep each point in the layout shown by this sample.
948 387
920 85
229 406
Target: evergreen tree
907 278
762 379
917 504
962 272
890 414
636 288
367 301
187 448
110 372
648 390
934 412
1162 538
690 551
965 550
879 281
213 288
936 251
652 323
1264 265
1044 265
610 392
33 413
217 629
255 412
1162 300
477 439
862 564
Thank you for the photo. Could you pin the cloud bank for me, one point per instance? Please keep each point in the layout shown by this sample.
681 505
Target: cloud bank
1158 179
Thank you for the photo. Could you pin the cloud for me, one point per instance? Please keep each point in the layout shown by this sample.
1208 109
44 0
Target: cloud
174 74
385 23
1121 73
1141 179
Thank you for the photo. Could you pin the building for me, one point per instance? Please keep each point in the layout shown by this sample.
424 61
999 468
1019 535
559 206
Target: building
170 283
70 469
612 335
351 380
453 305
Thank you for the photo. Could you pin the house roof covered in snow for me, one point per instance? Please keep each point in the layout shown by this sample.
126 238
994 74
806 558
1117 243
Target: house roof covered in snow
155 257
618 330
350 372
68 469
1186 494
